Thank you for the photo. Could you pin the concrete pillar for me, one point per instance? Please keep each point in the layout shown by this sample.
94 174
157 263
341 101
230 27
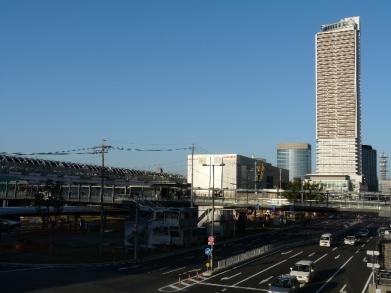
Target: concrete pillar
89 193
6 189
5 203
16 188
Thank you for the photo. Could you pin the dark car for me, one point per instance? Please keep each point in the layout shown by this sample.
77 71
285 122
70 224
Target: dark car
363 233
284 284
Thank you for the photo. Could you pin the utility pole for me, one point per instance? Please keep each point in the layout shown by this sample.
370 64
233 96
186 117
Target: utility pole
102 149
192 176
135 230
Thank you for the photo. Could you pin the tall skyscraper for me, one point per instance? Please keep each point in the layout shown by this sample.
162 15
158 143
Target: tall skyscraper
296 158
338 113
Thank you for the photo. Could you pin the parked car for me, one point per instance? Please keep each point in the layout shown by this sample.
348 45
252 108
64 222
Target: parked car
303 270
350 240
284 283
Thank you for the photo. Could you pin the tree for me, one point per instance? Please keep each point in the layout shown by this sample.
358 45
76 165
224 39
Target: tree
293 191
49 203
311 191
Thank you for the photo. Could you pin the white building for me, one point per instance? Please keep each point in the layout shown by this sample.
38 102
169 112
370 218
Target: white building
231 172
338 105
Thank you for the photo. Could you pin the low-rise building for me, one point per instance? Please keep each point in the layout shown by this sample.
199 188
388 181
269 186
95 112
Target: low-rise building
162 226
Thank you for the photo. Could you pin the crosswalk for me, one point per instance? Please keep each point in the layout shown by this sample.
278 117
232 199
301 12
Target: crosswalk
184 283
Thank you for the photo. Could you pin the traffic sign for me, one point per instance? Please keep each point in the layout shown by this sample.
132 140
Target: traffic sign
372 252
257 206
273 208
211 239
208 251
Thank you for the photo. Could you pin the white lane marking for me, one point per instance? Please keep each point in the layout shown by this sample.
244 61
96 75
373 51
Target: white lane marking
174 270
229 278
367 283
225 289
26 269
122 269
337 257
329 279
265 280
365 259
260 272
368 240
357 251
286 252
296 254
320 258
343 289
334 248
311 254
363 245
232 286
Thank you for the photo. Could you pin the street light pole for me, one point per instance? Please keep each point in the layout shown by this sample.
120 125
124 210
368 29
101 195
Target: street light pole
255 178
192 175
213 207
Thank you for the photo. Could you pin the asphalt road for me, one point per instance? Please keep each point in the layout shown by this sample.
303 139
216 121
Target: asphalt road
339 269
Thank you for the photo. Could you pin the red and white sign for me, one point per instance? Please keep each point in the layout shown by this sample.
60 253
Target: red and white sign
211 240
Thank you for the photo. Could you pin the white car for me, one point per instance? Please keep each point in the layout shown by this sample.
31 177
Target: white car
303 270
350 240
325 240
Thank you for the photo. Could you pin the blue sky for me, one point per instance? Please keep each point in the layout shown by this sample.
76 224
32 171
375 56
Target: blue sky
229 76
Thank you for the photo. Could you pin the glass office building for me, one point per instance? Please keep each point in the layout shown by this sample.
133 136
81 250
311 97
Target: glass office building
295 157
369 167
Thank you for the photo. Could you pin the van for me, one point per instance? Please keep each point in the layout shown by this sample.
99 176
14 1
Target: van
303 270
325 240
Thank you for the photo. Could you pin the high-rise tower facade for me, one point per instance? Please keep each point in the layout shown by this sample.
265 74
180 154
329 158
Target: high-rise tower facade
338 106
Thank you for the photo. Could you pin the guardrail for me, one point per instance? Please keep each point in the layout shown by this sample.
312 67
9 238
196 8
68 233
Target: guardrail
239 258
233 260
367 205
